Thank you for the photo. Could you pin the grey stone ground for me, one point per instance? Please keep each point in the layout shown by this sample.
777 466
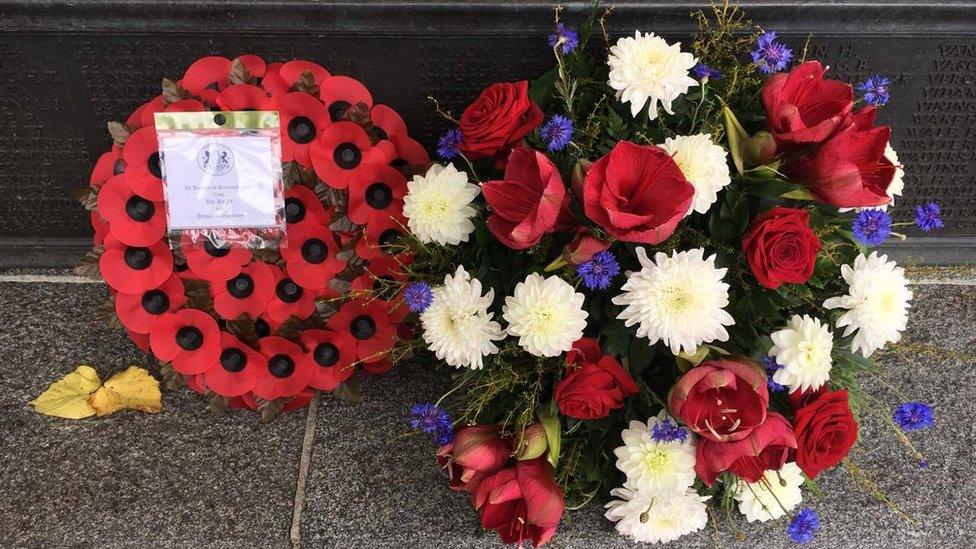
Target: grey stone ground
187 478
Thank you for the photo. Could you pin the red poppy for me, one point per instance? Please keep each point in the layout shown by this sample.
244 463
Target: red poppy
370 325
384 267
380 232
186 105
140 340
189 338
133 219
100 226
108 164
341 92
142 169
253 63
331 356
247 293
302 206
289 299
292 71
273 83
409 153
375 191
207 72
339 151
195 384
143 116
284 373
139 312
310 256
303 118
237 368
243 97
211 262
387 121
135 269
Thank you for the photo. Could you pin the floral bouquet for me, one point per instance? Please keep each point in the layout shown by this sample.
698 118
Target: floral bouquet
651 267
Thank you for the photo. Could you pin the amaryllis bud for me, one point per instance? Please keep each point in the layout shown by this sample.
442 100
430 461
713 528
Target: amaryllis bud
760 149
583 248
579 175
476 452
534 443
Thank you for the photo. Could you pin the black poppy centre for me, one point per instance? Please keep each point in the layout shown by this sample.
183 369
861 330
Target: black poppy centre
233 360
137 258
326 354
287 291
189 338
362 327
314 251
379 195
337 110
241 286
155 302
389 236
301 130
347 156
139 209
152 164
214 250
281 366
294 210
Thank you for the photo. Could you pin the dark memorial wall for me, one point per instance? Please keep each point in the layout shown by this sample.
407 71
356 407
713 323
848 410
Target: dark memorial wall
67 68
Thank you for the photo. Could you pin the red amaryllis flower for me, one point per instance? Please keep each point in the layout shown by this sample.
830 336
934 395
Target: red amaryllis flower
802 107
825 431
637 193
522 503
498 119
211 262
189 338
370 325
380 233
289 299
302 206
284 373
331 355
142 169
106 166
375 192
135 269
310 256
767 447
723 399
133 219
207 72
780 247
594 384
341 149
139 312
237 369
476 452
247 293
243 97
303 118
292 71
338 93
530 202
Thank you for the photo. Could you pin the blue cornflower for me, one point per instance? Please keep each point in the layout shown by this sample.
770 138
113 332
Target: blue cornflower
928 217
565 37
770 365
769 55
447 146
875 90
432 419
668 431
913 416
871 227
803 526
417 296
703 71
598 272
557 132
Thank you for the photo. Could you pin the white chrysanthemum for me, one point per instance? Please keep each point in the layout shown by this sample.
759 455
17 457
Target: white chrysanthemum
457 325
877 302
546 314
655 467
679 299
657 519
703 164
895 188
772 496
803 350
438 205
646 67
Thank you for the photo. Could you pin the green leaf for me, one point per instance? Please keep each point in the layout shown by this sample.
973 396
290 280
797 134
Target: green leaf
738 139
553 433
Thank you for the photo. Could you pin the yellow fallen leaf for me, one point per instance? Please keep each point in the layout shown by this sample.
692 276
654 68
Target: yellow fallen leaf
133 389
68 396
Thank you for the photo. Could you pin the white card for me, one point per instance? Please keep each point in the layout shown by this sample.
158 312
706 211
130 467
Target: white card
219 182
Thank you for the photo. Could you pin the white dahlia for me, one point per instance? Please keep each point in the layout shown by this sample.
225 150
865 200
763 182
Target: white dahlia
546 314
657 458
772 496
679 299
646 67
803 350
656 519
457 325
877 302
895 188
703 164
438 205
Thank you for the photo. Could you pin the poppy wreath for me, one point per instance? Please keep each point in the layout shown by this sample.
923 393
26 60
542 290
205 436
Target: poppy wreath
263 329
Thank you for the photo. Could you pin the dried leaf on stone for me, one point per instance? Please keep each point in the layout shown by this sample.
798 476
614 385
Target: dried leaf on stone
173 92
349 391
132 389
239 74
267 255
68 396
88 267
270 409
306 83
106 313
294 174
243 328
172 379
120 132
88 198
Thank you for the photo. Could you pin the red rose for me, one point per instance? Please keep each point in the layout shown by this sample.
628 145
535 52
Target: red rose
498 119
637 193
723 399
767 447
594 384
522 503
825 430
476 452
780 247
530 202
804 108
